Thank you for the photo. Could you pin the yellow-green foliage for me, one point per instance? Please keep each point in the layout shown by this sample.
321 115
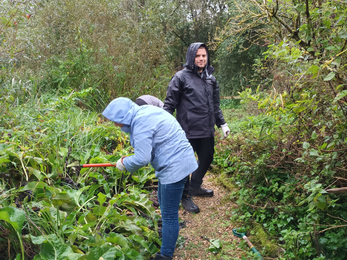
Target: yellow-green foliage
269 247
226 181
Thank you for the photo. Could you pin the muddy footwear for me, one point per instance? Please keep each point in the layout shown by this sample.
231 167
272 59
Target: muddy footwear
159 256
189 205
201 192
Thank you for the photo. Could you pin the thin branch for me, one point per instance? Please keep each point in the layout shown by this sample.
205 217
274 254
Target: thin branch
181 38
309 20
331 184
332 228
332 88
336 150
337 218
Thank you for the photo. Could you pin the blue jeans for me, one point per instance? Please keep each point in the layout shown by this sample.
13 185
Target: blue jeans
169 196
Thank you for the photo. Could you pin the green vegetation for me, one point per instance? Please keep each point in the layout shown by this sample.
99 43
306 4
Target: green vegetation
58 212
61 62
287 155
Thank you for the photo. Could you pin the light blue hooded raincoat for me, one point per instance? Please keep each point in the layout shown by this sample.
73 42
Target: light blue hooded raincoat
157 138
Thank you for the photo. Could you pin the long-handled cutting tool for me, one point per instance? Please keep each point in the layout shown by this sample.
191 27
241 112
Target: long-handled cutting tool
238 233
79 166
97 165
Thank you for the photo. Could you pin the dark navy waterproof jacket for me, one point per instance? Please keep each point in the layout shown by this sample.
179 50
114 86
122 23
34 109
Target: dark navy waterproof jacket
157 138
195 97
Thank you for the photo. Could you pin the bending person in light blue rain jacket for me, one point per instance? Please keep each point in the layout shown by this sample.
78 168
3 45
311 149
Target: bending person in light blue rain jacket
158 139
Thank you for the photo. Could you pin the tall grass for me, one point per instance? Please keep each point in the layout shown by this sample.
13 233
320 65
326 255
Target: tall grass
230 103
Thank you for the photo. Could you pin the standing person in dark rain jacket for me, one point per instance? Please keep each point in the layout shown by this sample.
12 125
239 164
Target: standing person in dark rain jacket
194 93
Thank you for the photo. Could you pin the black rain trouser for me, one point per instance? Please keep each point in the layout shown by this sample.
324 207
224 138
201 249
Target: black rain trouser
204 148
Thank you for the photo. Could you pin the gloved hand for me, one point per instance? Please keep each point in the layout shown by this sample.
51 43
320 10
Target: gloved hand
120 166
226 130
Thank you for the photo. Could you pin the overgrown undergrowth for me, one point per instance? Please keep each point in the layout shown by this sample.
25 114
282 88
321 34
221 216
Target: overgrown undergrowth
283 172
52 211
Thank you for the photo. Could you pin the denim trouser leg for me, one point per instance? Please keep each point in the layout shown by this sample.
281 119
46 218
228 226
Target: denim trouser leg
169 196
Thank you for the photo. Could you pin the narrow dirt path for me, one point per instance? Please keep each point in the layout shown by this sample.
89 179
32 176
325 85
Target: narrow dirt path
213 222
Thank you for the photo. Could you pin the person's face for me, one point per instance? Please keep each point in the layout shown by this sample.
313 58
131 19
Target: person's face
201 58
117 124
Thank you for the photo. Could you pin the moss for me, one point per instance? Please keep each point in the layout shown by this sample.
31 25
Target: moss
270 249
225 180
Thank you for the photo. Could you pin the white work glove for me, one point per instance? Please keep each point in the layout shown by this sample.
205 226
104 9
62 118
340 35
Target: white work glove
120 166
226 130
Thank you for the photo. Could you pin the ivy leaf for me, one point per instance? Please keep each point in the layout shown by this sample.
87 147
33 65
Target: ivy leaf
330 76
323 240
313 70
321 203
337 62
305 145
314 152
342 94
314 135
